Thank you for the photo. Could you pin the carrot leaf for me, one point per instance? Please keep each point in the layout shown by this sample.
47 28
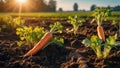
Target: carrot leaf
57 41
76 22
100 15
30 35
101 49
56 27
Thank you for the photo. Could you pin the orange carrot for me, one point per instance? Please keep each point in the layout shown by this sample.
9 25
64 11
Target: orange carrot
100 32
44 40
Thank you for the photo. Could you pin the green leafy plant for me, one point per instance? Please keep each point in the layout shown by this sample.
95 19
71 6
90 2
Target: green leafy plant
100 15
101 49
12 22
75 23
47 39
58 41
17 22
29 34
56 27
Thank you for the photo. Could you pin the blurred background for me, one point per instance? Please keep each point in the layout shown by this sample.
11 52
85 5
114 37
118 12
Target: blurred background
57 5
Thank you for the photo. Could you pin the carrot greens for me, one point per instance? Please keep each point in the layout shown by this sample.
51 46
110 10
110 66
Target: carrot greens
101 49
76 22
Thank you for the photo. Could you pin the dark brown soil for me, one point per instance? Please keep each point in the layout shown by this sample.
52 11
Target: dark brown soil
72 55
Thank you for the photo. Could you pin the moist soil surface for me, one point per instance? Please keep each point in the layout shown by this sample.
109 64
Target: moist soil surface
73 54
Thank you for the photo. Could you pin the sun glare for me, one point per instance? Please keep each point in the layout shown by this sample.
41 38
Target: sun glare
21 1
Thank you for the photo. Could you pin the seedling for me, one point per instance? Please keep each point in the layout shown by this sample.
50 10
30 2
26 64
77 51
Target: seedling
56 27
101 49
75 23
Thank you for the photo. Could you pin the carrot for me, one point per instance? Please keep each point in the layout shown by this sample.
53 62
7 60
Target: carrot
44 40
100 32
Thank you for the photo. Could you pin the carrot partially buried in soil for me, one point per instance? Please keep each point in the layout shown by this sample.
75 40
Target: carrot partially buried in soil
45 39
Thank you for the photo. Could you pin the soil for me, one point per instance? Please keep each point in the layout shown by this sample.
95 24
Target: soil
72 55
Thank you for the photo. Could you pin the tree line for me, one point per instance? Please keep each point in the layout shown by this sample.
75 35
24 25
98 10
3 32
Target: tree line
30 6
41 6
93 7
116 8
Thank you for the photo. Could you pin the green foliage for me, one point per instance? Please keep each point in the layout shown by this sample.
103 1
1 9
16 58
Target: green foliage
30 35
60 15
101 49
52 14
57 41
4 19
56 27
100 15
110 43
75 23
12 22
17 22
111 40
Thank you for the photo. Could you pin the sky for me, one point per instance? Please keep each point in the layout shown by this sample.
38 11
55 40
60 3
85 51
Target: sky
67 5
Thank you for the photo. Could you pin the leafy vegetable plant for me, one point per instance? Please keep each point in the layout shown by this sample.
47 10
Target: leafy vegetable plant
101 49
12 22
100 15
56 27
47 39
75 23
29 34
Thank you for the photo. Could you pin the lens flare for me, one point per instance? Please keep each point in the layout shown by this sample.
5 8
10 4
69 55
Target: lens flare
21 1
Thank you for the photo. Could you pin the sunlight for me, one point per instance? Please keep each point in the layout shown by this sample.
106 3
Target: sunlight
21 1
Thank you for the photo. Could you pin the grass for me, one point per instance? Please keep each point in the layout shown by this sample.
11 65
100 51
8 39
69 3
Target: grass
117 14
51 14
59 14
